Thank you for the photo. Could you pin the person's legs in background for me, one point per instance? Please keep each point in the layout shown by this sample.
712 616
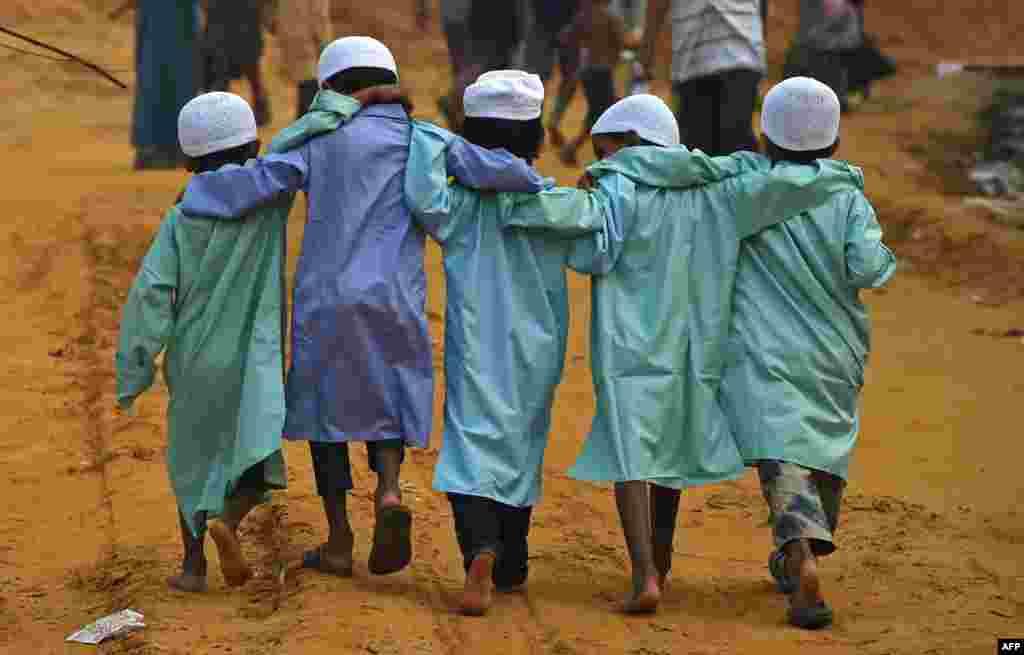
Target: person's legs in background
695 112
737 97
599 87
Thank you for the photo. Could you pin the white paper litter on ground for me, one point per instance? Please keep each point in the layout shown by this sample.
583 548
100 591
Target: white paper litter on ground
115 625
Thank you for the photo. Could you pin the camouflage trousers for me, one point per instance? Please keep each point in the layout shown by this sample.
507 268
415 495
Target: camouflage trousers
804 504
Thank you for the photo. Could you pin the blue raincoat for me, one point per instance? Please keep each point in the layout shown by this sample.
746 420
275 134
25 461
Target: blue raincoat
212 294
506 327
663 273
361 365
800 334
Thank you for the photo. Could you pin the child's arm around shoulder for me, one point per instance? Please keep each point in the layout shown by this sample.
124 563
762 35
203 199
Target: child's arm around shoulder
869 262
148 316
233 191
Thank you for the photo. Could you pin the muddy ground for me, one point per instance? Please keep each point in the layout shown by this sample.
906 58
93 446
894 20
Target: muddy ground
931 555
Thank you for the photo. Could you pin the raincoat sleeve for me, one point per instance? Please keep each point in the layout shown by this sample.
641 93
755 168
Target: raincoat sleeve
148 316
491 170
869 263
598 218
761 199
598 253
436 154
233 191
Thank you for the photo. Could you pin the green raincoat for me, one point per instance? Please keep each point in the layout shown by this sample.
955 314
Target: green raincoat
663 273
800 334
212 294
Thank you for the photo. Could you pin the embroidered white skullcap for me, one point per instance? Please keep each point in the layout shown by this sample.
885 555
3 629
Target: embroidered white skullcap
510 94
646 115
801 114
354 52
213 122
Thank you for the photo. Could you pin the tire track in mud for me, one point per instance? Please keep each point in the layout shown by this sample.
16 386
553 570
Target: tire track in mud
92 381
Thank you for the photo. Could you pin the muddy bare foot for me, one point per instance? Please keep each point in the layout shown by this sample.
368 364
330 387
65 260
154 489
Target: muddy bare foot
232 562
807 607
476 596
187 582
644 599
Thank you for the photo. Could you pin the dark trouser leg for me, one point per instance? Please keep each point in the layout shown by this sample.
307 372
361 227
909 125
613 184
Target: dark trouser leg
696 113
386 459
193 563
333 474
513 564
633 504
736 102
260 99
477 526
664 511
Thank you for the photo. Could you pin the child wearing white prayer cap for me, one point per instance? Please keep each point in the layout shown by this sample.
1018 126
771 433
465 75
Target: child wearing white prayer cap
663 265
211 294
506 328
802 337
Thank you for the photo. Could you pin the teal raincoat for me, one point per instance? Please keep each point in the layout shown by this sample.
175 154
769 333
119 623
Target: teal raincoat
212 293
506 327
800 334
663 270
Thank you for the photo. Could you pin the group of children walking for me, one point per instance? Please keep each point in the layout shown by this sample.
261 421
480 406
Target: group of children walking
726 325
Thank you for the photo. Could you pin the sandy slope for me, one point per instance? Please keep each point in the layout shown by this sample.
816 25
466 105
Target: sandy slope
930 559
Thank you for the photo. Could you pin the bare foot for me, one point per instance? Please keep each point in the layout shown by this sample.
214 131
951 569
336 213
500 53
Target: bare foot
808 593
476 596
232 562
187 582
644 600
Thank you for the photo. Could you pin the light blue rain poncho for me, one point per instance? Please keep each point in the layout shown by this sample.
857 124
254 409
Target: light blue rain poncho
800 334
506 326
212 294
361 366
663 271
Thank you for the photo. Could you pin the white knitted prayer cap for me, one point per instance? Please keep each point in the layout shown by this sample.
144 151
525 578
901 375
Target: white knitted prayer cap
646 115
215 121
354 52
801 114
510 94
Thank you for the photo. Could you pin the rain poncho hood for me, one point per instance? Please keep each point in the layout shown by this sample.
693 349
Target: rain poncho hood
361 366
663 269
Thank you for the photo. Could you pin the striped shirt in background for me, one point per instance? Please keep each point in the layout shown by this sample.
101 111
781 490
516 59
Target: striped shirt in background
714 36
